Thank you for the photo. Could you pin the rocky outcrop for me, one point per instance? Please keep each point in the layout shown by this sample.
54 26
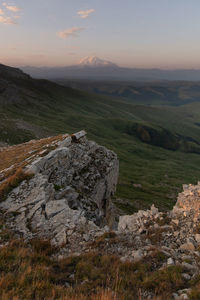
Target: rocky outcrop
70 191
174 234
189 200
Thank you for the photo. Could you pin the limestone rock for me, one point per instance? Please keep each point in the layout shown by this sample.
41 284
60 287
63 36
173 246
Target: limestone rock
154 210
186 276
189 199
71 189
190 267
170 261
127 223
135 222
137 255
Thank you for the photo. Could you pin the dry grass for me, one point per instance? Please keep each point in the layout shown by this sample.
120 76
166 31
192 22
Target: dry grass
14 159
12 181
155 235
28 271
15 156
101 240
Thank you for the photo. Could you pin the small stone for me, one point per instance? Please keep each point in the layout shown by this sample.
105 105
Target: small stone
67 285
138 255
176 222
156 226
86 237
197 238
175 295
184 291
189 267
170 261
60 257
186 276
78 135
184 297
124 259
187 247
154 210
72 276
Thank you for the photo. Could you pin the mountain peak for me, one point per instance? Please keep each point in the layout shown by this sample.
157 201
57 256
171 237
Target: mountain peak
94 61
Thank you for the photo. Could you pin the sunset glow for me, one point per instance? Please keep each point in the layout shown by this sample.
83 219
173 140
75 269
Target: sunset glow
132 33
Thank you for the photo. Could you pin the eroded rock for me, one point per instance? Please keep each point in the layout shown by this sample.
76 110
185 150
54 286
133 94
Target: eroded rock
71 189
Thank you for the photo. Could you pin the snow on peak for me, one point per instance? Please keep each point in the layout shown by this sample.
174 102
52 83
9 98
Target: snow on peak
93 61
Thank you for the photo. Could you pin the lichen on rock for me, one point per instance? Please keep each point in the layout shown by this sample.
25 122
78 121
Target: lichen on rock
72 187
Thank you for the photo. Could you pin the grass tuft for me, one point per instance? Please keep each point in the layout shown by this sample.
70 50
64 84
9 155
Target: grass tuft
12 182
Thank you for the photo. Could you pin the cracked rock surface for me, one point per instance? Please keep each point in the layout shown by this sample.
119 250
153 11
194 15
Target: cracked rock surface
70 191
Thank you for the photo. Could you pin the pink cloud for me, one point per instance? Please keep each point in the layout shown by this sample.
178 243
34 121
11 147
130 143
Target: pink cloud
84 14
70 32
7 20
12 8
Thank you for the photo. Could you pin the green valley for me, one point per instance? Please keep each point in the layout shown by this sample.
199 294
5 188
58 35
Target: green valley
158 145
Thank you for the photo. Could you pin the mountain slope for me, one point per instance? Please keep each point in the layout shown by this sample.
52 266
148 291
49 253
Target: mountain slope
31 108
157 93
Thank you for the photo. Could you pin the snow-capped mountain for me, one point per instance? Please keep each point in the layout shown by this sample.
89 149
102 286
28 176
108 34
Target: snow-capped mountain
93 61
92 67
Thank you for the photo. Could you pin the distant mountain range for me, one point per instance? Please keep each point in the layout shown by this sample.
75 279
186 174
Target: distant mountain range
94 68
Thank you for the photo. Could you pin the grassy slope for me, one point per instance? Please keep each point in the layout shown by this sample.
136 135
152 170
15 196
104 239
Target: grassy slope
28 271
161 172
173 93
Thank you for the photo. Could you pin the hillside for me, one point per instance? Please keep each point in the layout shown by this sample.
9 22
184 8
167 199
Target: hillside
158 147
172 93
61 236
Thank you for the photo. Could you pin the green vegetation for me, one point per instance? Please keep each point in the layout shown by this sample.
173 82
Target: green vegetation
57 187
110 122
173 93
29 272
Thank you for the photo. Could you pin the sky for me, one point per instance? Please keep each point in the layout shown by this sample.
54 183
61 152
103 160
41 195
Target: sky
131 33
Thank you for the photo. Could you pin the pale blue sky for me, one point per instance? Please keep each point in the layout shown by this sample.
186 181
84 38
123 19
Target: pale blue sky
134 33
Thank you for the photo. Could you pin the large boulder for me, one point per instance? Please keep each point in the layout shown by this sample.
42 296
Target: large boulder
72 186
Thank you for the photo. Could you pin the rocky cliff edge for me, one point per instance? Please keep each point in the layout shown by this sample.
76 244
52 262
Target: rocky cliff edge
69 191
